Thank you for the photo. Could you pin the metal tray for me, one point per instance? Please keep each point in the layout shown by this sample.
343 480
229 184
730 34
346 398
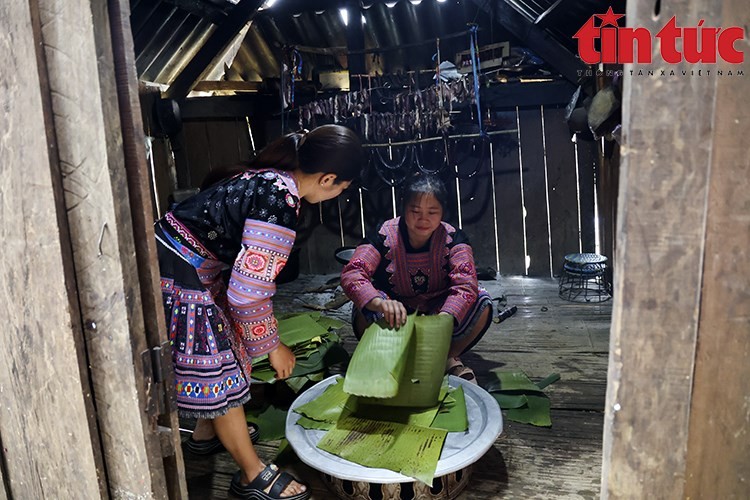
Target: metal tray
460 449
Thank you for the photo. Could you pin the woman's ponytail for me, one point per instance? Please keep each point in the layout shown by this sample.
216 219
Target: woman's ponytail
281 154
326 149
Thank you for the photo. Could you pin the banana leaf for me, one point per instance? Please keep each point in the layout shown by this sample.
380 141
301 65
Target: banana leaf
309 423
522 399
537 412
550 379
299 329
316 315
452 416
411 450
330 323
422 417
317 360
512 381
510 401
425 364
328 406
271 421
379 361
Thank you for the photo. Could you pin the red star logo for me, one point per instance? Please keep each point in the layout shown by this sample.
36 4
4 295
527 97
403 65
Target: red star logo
609 18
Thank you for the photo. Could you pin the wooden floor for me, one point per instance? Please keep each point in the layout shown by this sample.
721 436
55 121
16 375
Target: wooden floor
547 335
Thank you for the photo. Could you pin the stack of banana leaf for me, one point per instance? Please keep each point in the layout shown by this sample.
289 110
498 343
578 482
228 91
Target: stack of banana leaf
315 344
394 408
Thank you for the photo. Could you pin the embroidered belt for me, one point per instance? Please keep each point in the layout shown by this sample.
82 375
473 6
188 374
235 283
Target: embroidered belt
186 253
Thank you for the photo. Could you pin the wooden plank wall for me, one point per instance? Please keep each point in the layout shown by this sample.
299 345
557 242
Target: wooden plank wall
677 410
86 119
74 420
550 182
47 439
547 174
212 144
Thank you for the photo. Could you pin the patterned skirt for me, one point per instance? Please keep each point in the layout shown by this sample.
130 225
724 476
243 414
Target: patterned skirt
208 379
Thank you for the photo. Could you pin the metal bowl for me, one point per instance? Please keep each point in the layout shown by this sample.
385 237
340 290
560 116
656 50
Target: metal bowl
344 254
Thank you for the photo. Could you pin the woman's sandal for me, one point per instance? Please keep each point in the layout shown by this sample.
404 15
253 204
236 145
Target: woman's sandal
456 368
255 490
213 445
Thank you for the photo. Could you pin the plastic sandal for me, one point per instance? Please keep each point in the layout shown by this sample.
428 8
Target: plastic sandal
255 489
213 445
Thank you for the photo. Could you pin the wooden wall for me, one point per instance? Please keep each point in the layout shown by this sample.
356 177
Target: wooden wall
677 419
538 171
74 420
212 144
541 176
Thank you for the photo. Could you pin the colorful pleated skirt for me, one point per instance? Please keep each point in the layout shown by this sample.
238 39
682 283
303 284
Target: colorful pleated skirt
208 379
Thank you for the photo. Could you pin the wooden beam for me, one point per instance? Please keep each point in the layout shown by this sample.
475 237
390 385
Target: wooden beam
47 444
661 290
221 86
227 106
535 38
225 32
717 459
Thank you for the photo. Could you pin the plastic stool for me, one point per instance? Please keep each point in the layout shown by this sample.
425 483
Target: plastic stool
583 278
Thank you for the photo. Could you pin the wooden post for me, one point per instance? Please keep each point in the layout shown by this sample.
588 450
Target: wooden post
96 195
718 460
47 443
676 414
124 122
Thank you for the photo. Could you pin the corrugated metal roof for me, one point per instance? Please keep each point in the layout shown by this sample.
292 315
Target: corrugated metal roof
168 33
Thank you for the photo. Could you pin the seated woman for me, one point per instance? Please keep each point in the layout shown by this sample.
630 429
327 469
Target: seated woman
419 263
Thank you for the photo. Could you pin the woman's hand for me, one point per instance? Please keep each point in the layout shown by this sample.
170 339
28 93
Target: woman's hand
282 360
393 311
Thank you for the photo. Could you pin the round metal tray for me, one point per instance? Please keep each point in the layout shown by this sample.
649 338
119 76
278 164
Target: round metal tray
460 449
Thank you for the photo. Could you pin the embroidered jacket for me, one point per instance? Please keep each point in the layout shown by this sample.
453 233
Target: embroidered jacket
245 223
438 278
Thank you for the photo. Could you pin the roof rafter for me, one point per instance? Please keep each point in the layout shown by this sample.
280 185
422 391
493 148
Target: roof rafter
535 38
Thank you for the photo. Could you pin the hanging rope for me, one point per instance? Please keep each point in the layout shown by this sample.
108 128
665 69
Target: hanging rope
474 46
296 72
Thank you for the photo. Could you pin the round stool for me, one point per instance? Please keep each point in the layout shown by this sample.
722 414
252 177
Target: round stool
583 278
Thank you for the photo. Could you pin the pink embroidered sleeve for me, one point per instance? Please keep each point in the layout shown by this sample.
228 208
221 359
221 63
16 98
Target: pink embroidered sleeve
356 277
464 289
265 250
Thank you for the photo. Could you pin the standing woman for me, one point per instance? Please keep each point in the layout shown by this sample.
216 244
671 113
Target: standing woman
244 223
416 262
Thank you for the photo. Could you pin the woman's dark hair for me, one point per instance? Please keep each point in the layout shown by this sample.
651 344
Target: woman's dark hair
425 184
328 149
